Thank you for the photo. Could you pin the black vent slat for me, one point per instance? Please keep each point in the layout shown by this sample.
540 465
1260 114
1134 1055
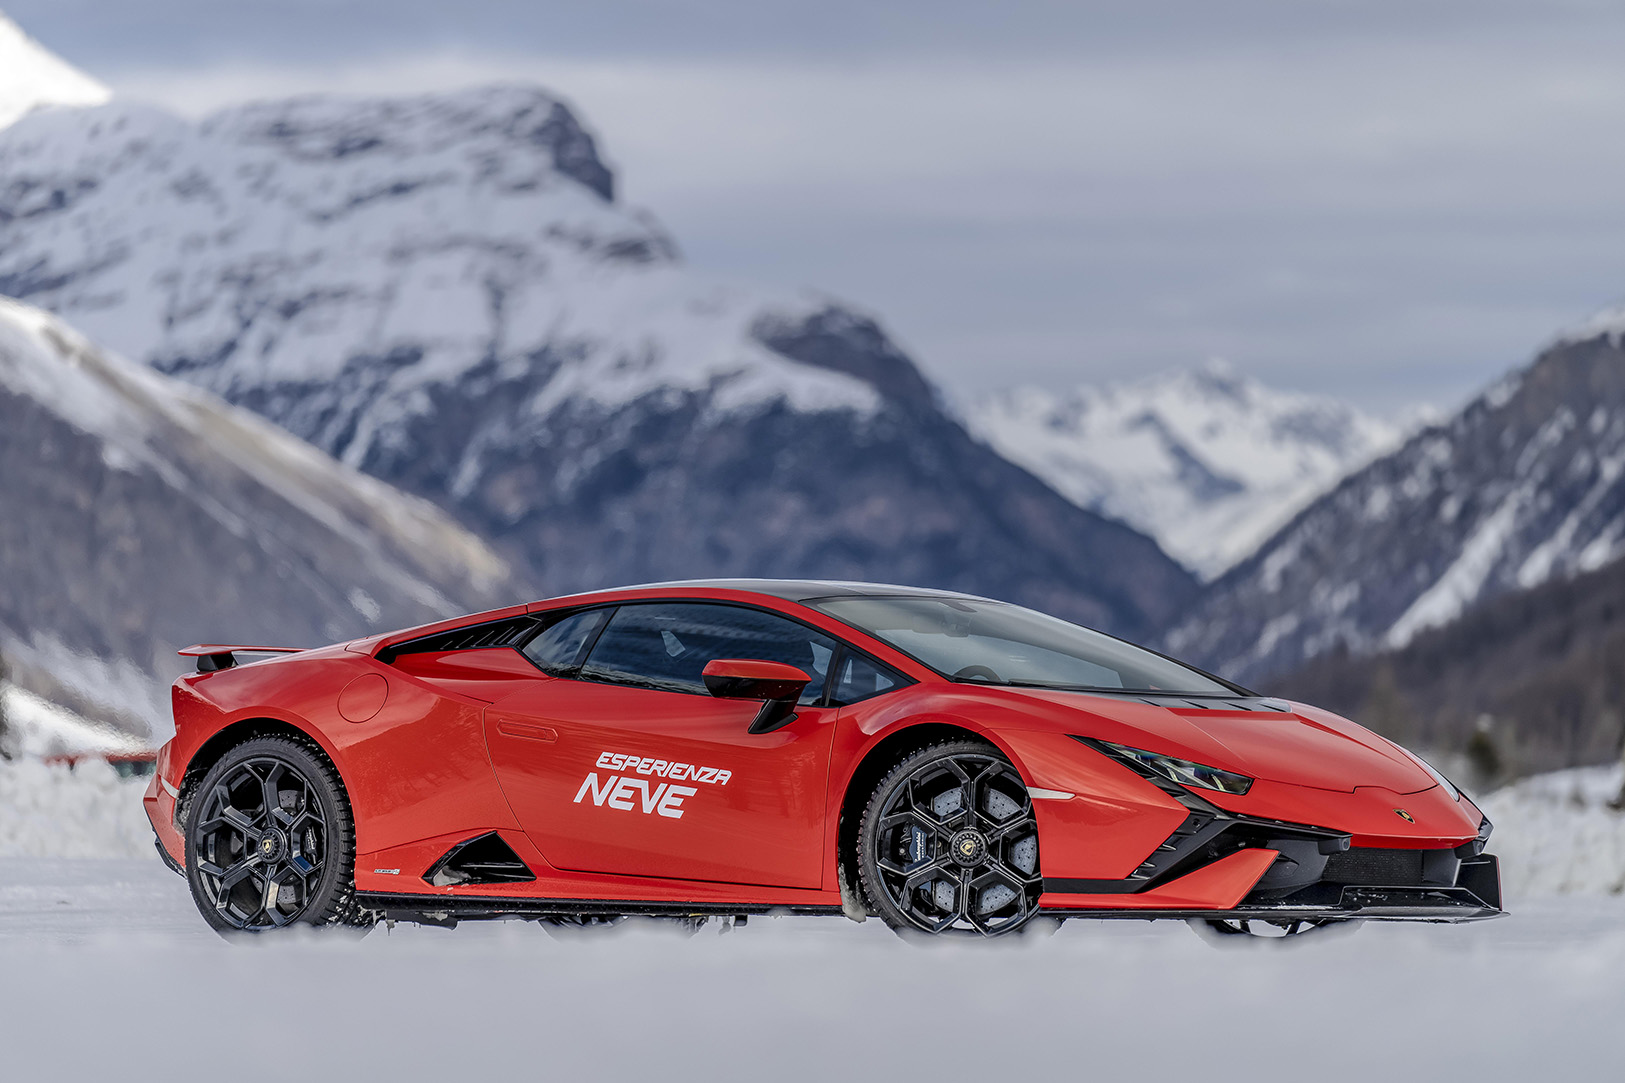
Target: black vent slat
511 632
486 859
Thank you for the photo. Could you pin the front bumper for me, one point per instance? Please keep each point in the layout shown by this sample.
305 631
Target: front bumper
1264 883
1218 861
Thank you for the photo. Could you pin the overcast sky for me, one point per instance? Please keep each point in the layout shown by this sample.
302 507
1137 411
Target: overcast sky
1392 201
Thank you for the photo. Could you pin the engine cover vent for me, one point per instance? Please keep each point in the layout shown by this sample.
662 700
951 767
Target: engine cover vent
485 859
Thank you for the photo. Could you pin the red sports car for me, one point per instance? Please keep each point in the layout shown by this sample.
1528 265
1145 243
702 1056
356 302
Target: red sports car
943 762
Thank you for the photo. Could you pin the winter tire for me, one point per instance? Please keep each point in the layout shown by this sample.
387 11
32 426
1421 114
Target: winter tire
270 840
949 844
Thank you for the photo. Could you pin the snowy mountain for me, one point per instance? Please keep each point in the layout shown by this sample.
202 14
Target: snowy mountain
143 514
443 292
1208 462
1525 484
31 76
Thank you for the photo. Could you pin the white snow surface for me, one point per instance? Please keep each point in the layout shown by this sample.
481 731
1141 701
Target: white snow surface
83 810
1556 833
108 957
418 240
1206 461
31 77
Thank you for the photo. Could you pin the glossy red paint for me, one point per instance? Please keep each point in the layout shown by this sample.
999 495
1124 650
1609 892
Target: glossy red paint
626 793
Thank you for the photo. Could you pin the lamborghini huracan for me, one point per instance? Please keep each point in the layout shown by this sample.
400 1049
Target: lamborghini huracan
946 763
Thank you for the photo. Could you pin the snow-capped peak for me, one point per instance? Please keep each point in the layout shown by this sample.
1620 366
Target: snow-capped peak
1206 460
1608 323
32 76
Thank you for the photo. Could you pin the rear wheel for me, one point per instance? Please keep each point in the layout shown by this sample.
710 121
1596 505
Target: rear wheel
949 844
270 840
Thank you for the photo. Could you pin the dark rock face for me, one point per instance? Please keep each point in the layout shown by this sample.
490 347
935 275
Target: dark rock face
665 488
142 515
315 129
1526 484
841 341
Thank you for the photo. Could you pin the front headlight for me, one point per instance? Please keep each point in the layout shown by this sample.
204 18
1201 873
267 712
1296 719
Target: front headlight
1449 787
1184 772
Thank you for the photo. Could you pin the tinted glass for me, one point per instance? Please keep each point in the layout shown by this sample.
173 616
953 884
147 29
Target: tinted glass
859 678
666 645
995 643
558 649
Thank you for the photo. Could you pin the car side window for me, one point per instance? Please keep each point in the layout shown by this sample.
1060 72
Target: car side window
858 678
558 649
666 645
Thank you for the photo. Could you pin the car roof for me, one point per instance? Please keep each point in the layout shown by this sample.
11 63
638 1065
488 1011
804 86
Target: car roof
793 590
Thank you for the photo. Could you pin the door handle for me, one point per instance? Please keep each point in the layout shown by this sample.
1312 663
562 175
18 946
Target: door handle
531 731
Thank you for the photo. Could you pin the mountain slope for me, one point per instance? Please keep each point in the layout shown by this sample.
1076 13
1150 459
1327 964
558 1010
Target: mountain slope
31 76
1525 484
443 292
143 514
1206 461
1530 680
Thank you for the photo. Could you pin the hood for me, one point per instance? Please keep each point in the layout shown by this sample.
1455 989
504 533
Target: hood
1301 746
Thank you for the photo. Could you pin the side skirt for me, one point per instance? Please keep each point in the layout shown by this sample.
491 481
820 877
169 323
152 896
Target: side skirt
442 910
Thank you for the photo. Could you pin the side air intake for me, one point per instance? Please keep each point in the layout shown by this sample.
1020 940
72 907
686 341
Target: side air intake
482 860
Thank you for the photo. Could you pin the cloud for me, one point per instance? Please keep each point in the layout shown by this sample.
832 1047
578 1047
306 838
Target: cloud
1380 200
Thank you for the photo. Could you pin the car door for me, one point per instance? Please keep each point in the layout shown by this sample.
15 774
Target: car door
617 760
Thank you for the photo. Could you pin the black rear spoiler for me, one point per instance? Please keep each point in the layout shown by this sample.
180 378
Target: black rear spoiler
213 657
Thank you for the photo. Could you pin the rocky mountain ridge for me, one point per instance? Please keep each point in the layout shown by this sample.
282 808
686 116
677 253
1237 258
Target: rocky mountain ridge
1208 462
442 291
1524 485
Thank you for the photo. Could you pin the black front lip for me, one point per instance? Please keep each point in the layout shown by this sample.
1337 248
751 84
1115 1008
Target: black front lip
1453 905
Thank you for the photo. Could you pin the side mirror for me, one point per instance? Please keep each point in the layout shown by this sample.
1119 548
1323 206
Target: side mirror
776 684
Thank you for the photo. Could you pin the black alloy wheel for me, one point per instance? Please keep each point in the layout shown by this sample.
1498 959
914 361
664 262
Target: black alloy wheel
270 840
949 844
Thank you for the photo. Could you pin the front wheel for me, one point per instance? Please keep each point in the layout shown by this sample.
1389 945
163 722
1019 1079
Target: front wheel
949 844
270 840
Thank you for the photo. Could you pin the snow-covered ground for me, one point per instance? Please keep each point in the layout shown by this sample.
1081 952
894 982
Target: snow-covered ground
111 975
87 810
1557 835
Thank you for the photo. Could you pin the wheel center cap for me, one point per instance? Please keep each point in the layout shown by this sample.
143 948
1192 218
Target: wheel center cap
272 845
968 847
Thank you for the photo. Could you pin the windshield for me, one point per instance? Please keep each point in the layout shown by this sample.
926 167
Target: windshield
996 643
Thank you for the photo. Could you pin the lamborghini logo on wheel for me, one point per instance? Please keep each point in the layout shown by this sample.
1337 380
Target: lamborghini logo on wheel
1403 815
